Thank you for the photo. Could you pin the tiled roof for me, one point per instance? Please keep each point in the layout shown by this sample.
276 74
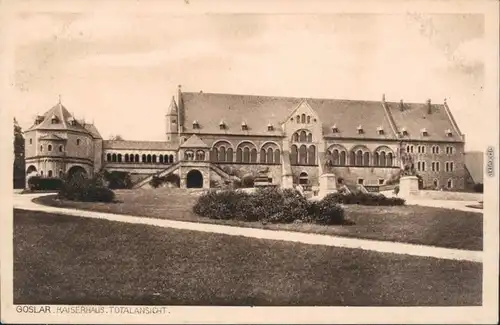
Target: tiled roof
139 145
259 111
415 117
194 142
63 122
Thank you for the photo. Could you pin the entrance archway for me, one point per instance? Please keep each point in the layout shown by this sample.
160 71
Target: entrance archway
31 169
194 179
77 171
303 178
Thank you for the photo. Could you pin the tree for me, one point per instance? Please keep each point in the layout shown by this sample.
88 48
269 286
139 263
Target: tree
116 137
19 164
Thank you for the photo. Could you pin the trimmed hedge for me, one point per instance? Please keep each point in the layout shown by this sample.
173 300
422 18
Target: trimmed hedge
37 183
365 199
86 190
267 204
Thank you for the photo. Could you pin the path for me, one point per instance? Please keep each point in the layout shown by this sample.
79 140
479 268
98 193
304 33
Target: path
24 201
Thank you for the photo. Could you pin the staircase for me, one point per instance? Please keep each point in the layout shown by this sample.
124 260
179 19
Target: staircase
161 173
222 173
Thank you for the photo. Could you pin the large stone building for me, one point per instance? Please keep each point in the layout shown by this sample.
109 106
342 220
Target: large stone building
214 137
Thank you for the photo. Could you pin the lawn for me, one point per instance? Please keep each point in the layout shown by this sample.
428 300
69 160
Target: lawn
409 224
70 260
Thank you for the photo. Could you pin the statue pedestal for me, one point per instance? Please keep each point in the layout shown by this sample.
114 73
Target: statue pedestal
327 184
287 181
408 186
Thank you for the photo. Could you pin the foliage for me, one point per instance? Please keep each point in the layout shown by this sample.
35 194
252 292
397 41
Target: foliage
267 204
80 188
364 199
116 137
37 183
157 181
19 164
118 179
478 187
396 189
247 181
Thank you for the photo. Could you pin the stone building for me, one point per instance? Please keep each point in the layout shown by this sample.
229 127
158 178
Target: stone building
213 138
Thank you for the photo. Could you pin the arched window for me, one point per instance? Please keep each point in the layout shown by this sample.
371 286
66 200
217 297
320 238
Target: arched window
50 173
77 142
188 155
253 155
303 136
171 158
126 157
119 157
298 118
229 155
311 158
148 158
61 174
246 155
154 159
144 158
269 157
335 157
308 119
49 147
352 158
222 154
41 173
200 155
303 118
239 155
161 159
343 158
263 157
382 159
295 137
277 156
294 155
41 148
215 154
376 158
108 157
61 148
136 158
309 137
113 157
303 178
366 159
302 155
435 183
449 184
359 158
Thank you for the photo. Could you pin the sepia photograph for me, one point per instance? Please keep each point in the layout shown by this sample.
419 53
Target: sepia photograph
189 162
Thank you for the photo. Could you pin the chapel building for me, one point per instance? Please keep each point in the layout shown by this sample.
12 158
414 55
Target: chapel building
212 138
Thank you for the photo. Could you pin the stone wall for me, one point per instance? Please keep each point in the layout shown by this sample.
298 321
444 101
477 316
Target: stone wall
253 169
370 175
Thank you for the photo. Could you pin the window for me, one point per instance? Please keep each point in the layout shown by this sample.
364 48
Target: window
200 155
360 129
435 183
196 125
449 150
361 181
41 173
435 149
380 130
449 184
108 157
303 178
41 148
298 118
411 149
381 181
222 125
77 142
308 120
423 166
270 127
449 133
61 174
49 147
50 173
244 126
335 129
452 167
437 166
31 141
61 148
303 118
54 120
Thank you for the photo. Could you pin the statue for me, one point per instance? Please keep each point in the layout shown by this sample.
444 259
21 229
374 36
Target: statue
407 165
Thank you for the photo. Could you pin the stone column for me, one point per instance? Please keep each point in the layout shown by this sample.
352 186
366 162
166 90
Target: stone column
408 186
327 184
287 181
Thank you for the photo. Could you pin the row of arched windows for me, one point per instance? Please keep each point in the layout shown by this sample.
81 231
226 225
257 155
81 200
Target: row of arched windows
191 155
303 155
135 158
49 148
360 157
303 119
302 136
246 153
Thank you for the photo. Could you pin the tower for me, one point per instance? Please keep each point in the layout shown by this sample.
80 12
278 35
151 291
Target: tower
172 125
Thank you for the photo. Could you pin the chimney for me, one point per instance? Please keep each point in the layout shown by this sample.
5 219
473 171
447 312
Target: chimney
429 107
383 98
401 105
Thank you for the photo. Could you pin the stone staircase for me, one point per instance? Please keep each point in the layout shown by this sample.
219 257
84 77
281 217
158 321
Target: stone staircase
161 173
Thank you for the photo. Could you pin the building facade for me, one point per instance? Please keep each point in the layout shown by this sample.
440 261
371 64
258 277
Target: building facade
212 138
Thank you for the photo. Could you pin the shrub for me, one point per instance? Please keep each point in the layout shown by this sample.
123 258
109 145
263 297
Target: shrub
327 211
157 181
85 190
293 206
223 204
247 181
478 187
364 199
118 179
38 183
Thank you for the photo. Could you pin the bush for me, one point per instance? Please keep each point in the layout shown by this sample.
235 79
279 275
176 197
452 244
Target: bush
223 204
247 181
157 181
293 206
118 179
37 183
478 187
327 211
85 190
364 199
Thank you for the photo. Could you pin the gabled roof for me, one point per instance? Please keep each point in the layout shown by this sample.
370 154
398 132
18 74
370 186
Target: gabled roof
415 117
138 145
194 142
63 120
53 137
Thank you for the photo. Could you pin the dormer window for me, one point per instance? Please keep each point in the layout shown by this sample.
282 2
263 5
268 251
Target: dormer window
404 131
380 130
270 127
335 129
360 129
196 125
244 126
72 121
222 125
54 119
449 133
424 132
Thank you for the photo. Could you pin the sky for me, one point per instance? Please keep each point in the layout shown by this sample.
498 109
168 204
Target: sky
121 69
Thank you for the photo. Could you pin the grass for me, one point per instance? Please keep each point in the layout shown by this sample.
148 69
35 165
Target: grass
69 260
408 224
